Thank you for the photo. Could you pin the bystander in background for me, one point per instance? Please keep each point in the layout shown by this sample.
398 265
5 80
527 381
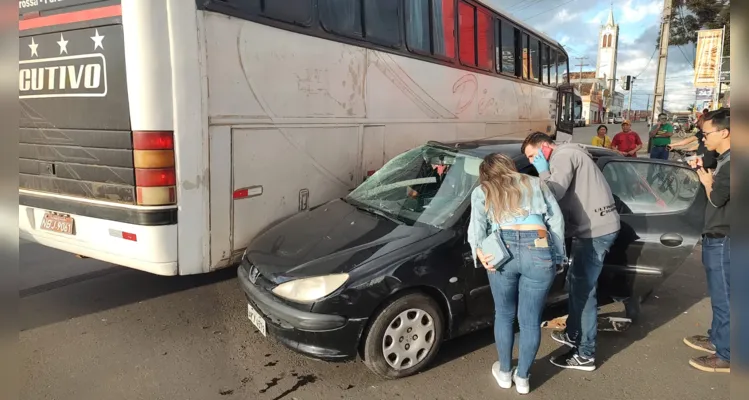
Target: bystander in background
660 137
627 142
601 139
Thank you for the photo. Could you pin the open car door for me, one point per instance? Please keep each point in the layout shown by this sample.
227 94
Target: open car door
662 207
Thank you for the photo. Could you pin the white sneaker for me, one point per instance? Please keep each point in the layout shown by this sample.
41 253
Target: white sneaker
504 379
522 385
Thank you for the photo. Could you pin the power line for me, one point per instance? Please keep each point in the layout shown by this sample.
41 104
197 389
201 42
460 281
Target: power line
648 64
547 10
684 27
691 63
581 64
527 5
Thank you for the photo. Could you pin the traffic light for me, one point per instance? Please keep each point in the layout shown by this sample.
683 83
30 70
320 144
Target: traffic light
627 82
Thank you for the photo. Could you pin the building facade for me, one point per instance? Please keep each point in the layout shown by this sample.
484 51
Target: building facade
608 46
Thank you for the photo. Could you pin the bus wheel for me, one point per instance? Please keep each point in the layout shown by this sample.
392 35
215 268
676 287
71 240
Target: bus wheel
404 337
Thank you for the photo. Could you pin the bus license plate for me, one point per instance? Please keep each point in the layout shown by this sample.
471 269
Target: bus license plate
58 223
256 319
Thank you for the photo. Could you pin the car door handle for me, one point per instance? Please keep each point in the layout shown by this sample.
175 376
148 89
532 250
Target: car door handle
671 239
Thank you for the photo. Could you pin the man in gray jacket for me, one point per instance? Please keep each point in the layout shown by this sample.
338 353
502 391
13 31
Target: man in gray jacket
591 218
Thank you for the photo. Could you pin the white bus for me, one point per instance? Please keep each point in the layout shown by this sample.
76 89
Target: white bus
163 135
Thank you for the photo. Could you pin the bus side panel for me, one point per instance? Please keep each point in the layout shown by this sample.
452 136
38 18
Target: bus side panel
189 97
220 196
287 170
373 151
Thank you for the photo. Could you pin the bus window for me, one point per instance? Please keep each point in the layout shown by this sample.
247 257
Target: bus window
418 37
382 22
563 75
467 34
341 16
553 63
444 27
507 48
485 43
417 26
545 67
535 63
297 12
526 61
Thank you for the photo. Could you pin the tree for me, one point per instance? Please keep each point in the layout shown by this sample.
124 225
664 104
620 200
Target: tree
689 16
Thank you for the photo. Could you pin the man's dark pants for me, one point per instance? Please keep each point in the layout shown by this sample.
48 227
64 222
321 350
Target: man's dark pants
582 322
716 256
659 152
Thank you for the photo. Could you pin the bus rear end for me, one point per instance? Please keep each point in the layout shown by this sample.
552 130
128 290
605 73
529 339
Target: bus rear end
97 147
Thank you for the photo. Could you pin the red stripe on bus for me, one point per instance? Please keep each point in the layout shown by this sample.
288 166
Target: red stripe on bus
71 17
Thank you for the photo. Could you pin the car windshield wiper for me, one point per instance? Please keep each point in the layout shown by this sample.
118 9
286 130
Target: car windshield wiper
373 210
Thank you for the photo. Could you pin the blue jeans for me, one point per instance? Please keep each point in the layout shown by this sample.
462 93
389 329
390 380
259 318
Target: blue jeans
716 256
587 263
520 287
660 153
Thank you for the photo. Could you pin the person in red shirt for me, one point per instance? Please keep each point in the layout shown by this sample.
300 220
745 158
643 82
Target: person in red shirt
627 142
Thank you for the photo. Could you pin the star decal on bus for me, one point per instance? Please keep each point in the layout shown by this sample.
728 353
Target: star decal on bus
33 47
97 40
63 45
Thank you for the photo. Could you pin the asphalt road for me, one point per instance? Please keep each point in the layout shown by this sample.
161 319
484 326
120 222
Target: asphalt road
123 334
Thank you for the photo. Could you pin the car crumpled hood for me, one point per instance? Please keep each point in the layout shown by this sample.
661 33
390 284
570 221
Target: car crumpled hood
332 238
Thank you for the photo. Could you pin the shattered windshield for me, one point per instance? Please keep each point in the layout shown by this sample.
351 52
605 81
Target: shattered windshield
424 185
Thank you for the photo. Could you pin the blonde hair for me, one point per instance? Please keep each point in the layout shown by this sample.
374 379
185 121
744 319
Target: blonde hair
504 186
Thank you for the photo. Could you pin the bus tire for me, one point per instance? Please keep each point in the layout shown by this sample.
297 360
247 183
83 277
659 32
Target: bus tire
404 337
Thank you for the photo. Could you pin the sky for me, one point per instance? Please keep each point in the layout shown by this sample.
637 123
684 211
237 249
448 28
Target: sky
576 25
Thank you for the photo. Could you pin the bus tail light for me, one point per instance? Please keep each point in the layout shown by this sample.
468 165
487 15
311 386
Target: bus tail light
156 196
155 175
153 140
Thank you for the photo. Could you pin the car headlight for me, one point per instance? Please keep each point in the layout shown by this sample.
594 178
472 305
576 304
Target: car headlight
307 290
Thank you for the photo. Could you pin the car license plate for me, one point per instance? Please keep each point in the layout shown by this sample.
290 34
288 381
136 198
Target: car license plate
59 223
256 319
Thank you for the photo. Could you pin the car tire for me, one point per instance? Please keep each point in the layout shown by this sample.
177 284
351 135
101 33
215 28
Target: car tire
397 356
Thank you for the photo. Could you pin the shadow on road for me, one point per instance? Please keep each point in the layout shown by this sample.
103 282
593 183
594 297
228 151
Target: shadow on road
680 292
104 290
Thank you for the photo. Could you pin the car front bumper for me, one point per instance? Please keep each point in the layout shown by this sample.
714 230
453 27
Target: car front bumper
321 336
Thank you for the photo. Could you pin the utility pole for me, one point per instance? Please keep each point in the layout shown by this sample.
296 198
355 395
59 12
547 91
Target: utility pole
647 108
629 107
660 77
610 98
580 81
719 69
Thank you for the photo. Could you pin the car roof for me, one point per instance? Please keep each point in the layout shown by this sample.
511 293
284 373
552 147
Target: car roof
509 147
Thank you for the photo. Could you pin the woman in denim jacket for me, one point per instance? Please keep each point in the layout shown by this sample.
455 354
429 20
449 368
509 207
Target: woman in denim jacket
525 212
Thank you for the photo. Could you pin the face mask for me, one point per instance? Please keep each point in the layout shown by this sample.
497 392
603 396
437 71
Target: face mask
546 150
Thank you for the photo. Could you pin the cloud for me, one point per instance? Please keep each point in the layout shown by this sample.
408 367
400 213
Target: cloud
576 26
631 14
600 18
565 16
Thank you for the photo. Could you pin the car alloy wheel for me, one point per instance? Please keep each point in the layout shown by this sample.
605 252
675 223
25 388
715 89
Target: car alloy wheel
408 338
404 336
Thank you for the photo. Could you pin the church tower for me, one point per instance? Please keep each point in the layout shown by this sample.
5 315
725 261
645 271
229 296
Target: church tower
608 45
